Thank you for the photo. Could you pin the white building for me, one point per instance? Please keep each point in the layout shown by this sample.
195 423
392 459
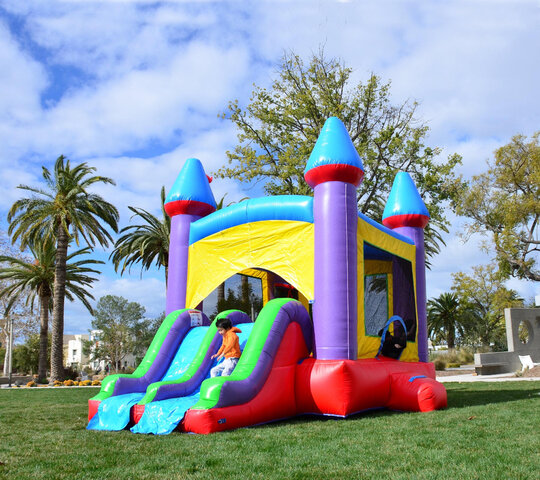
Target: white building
128 361
74 356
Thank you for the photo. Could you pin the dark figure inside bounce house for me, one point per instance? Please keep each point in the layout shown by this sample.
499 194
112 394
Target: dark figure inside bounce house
363 347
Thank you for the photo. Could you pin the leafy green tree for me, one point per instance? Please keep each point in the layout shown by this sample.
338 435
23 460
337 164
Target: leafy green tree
504 204
35 279
64 209
122 330
443 318
484 297
146 243
147 331
26 357
278 129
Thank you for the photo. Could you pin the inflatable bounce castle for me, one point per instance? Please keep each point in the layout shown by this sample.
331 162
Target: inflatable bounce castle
360 287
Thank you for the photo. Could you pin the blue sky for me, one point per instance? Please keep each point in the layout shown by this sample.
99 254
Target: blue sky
134 88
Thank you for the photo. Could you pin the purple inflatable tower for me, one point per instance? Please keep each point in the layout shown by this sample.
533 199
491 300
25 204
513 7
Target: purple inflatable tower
406 213
334 170
190 198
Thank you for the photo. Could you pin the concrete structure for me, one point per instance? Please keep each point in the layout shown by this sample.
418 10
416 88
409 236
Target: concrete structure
73 355
505 362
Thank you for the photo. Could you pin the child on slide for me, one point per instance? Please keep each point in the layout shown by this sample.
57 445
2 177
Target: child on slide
230 348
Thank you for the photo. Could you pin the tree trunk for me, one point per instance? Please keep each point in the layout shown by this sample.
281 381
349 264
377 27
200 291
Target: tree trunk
6 360
451 338
220 293
57 347
245 288
43 337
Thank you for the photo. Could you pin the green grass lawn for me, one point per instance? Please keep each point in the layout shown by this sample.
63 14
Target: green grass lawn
490 431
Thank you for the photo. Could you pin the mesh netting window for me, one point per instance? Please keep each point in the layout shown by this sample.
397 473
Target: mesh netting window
376 303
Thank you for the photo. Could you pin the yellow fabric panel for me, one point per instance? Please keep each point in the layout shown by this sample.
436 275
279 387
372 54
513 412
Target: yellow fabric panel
367 345
281 246
375 237
253 272
410 354
363 348
303 300
373 267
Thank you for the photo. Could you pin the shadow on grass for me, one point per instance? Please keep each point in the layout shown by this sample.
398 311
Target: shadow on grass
322 419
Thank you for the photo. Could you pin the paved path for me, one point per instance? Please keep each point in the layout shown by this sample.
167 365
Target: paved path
501 377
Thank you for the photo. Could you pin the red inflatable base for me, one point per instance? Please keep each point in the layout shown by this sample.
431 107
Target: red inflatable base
93 406
328 387
344 387
137 412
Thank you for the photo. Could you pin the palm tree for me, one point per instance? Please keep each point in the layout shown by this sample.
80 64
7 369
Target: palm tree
443 317
146 243
61 211
36 279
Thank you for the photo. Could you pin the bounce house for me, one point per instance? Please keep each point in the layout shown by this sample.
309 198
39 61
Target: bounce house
355 340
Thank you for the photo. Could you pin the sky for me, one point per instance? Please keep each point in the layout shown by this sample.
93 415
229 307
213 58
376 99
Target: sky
134 88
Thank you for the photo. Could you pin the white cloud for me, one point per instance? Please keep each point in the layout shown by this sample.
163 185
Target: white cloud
141 107
22 80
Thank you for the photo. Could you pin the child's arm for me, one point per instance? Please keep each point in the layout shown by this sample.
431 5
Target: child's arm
220 353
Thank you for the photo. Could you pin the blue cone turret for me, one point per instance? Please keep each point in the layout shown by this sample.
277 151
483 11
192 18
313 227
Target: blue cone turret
334 157
405 207
191 192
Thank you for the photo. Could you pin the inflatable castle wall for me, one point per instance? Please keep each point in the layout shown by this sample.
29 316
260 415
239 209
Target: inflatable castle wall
353 273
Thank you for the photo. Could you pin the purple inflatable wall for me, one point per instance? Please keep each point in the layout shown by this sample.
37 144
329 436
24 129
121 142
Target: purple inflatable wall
335 309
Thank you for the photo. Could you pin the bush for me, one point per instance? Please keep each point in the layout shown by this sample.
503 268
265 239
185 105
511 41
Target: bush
96 383
466 356
70 373
453 358
85 383
31 384
440 363
58 383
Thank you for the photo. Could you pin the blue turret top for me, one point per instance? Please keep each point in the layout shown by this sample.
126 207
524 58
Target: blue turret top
191 192
334 157
405 207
